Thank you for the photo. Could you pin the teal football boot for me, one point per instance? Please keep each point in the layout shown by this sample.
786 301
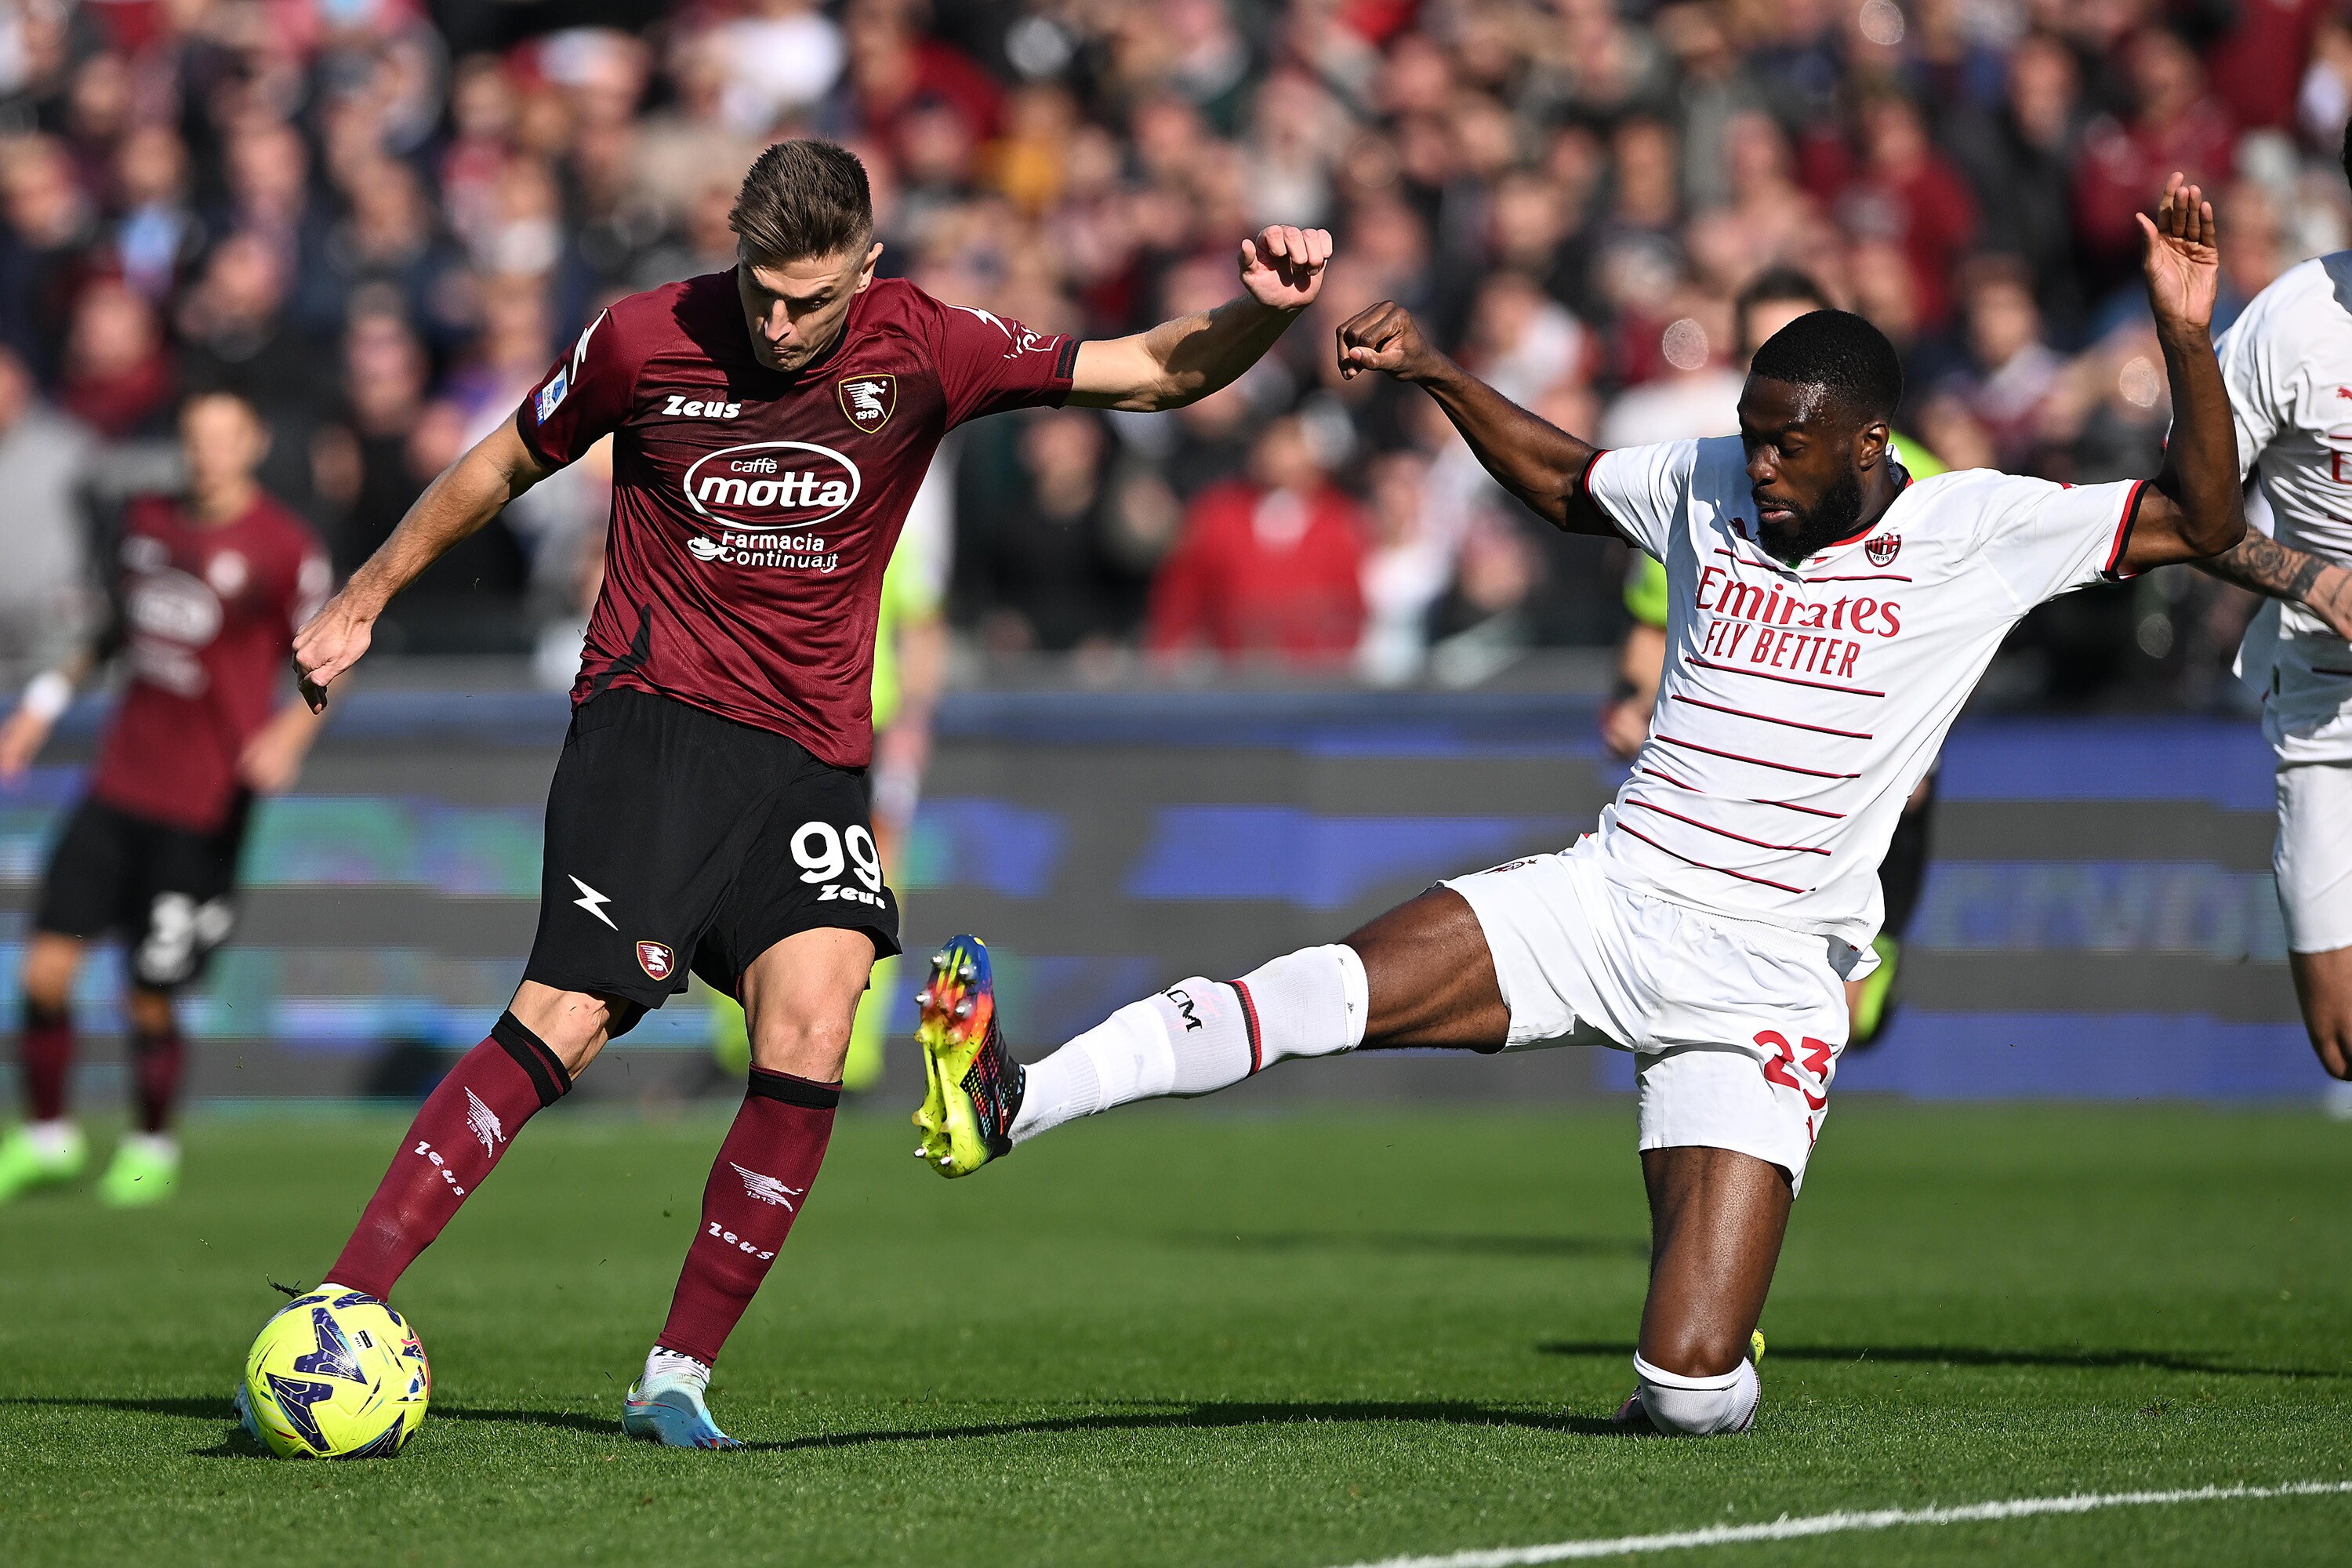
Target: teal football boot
671 1411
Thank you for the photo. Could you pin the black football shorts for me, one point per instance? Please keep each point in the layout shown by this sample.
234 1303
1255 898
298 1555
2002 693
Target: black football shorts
678 841
170 891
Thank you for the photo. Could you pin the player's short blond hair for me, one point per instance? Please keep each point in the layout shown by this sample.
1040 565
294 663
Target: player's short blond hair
802 199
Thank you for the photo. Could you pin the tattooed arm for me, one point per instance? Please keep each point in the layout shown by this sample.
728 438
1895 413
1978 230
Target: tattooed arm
2282 572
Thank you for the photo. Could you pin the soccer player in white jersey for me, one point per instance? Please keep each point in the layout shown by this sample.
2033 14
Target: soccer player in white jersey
2287 363
1829 618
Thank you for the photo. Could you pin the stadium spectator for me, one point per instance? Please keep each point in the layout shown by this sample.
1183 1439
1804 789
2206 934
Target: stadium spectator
1049 568
46 599
2009 370
2173 122
1269 567
117 377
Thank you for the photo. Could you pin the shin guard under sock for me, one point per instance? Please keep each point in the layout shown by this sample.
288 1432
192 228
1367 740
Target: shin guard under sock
762 1177
455 1141
44 1056
1200 1036
157 1063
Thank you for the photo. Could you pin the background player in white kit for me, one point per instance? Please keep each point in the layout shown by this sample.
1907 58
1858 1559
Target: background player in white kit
1829 618
2288 361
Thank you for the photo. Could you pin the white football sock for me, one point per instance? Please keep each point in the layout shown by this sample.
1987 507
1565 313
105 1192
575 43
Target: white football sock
56 1140
668 1366
1200 1036
1700 1406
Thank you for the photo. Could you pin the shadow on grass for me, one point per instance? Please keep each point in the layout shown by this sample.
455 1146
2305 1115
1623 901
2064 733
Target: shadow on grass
1974 1355
1218 1414
236 1445
1207 1415
1441 1243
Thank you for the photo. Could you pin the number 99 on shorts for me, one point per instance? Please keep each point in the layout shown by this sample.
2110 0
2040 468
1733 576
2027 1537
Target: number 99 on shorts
830 855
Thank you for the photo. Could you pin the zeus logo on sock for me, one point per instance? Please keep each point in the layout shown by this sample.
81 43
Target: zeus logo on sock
1184 1005
441 1165
738 1243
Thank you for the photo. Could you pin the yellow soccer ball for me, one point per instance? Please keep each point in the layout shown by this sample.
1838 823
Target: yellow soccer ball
336 1374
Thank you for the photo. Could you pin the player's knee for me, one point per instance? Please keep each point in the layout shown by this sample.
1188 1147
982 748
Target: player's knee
47 980
150 1011
807 1042
1685 1406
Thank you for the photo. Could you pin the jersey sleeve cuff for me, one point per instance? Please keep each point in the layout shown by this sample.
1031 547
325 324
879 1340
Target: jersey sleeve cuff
528 431
2115 571
1065 372
1584 487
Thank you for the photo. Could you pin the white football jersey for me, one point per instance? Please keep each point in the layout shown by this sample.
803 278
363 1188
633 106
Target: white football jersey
1800 706
2288 361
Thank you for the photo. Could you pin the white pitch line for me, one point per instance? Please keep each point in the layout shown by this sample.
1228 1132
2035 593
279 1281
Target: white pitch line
1787 1529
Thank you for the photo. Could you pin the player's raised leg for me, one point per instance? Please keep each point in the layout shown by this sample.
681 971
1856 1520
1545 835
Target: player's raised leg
1419 975
800 997
48 1146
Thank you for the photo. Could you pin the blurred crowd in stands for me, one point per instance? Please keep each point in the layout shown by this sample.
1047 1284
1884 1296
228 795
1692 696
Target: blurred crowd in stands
379 219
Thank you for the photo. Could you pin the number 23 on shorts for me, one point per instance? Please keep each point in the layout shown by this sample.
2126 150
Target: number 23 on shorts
1791 1068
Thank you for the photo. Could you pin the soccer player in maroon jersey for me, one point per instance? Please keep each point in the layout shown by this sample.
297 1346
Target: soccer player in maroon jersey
212 587
771 424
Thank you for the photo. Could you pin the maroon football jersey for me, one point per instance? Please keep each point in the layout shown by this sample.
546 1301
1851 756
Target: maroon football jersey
209 613
754 511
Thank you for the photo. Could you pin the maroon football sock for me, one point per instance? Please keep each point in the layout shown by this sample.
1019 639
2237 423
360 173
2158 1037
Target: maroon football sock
44 1052
757 1185
157 1062
455 1141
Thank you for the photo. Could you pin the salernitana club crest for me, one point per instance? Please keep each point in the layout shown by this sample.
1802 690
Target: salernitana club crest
870 400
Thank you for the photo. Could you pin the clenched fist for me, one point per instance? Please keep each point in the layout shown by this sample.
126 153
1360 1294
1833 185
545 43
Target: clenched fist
1385 337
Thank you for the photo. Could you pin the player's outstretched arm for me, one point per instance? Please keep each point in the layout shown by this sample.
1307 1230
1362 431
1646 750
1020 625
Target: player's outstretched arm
467 494
1183 361
47 697
2193 508
2282 572
1532 459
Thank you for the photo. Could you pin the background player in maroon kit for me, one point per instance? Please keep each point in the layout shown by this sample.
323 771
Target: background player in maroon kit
772 424
213 585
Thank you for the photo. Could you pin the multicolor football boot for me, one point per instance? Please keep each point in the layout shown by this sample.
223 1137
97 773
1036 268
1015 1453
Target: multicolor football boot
671 1413
972 1084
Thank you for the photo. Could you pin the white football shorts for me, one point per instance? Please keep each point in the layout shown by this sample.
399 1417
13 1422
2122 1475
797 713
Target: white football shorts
1735 1026
2312 857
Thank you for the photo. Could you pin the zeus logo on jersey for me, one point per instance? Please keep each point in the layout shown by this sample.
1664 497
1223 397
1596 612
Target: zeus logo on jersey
679 403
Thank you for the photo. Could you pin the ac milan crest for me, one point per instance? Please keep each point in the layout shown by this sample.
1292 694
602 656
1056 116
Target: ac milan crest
1881 549
655 959
870 400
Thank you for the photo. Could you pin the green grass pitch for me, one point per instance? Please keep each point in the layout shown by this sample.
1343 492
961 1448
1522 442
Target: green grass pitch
1177 1337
